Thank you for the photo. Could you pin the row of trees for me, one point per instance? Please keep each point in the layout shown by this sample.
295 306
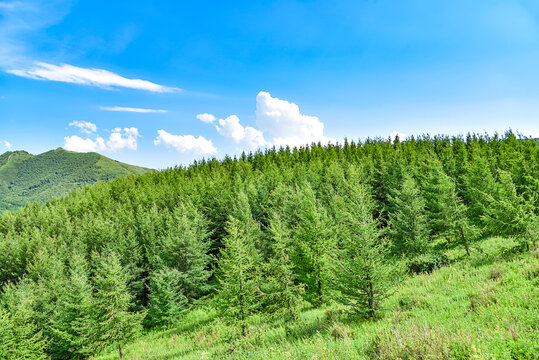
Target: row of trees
264 233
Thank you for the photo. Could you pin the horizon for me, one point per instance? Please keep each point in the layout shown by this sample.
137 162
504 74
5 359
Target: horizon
164 84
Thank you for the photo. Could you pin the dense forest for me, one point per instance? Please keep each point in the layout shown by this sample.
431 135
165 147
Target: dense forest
264 235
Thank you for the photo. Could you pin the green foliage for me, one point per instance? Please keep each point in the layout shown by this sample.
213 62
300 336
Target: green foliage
279 221
167 301
239 294
363 274
284 292
114 324
19 338
409 224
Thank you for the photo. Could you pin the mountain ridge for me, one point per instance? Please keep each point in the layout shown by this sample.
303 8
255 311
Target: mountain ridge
26 178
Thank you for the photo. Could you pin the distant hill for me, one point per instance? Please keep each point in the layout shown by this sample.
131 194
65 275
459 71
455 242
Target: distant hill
26 178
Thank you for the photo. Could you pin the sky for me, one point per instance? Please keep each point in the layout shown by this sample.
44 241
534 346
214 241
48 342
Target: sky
163 83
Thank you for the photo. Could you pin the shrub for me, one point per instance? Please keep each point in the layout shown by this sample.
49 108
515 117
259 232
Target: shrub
427 263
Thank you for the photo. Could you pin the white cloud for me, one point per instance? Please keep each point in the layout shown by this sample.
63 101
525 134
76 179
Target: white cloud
277 119
247 136
78 144
185 143
120 140
285 123
207 118
6 143
84 126
130 109
93 77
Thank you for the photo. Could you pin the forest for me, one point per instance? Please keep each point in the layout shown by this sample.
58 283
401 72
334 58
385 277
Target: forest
264 238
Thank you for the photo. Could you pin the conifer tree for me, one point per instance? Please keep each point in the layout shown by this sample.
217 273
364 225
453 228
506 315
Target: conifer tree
114 323
363 275
72 320
286 293
409 224
458 226
315 239
19 338
167 301
239 274
510 213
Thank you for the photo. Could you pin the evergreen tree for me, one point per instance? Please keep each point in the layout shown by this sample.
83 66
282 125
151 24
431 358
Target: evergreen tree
19 338
286 293
114 323
409 224
364 277
458 226
510 214
72 320
314 237
167 301
239 274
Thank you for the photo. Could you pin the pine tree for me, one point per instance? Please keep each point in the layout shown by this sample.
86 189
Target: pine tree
239 274
314 237
167 301
114 323
409 224
286 293
72 320
510 213
458 226
363 275
19 338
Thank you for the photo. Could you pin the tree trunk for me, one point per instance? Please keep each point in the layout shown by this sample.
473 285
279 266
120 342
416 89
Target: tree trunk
320 293
120 351
464 240
370 295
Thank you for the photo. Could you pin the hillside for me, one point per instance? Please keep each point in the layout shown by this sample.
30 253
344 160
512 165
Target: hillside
420 249
27 178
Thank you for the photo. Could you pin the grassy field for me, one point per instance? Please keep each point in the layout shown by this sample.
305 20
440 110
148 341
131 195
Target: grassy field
482 307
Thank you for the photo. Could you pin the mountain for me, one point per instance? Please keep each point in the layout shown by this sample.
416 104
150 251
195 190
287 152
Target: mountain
26 178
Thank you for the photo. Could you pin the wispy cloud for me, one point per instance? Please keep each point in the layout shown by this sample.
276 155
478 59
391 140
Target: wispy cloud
6 143
94 77
130 109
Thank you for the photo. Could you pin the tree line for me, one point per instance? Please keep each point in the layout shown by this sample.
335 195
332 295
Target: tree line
264 233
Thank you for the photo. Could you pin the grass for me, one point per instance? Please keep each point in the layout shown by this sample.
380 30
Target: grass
482 307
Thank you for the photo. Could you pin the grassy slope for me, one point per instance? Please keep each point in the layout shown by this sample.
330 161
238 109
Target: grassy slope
26 178
483 307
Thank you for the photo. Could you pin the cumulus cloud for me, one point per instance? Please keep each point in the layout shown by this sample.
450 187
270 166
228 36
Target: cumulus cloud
123 139
119 138
78 144
185 143
279 120
285 123
130 109
247 136
93 77
84 126
207 118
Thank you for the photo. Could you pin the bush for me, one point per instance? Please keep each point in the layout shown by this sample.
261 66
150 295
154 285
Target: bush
427 263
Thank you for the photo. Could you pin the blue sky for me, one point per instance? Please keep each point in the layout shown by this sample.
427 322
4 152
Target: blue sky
160 83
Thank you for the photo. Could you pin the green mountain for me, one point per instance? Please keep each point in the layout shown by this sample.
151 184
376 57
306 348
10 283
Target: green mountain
26 178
